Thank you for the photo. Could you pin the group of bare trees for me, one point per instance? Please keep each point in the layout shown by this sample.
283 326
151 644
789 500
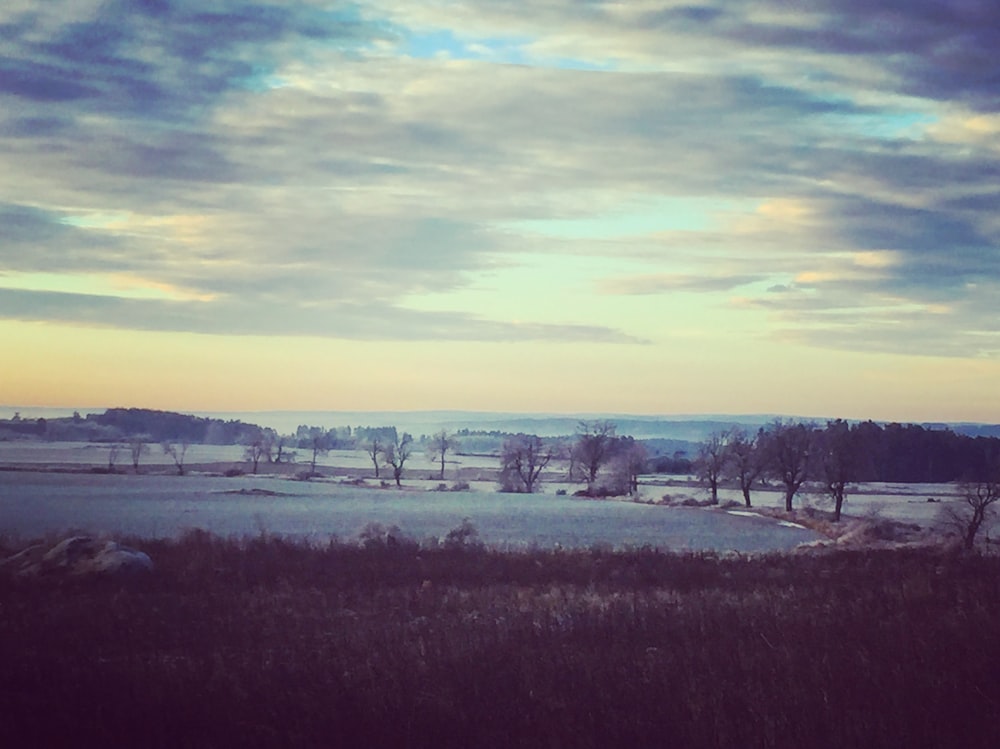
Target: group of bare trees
789 453
831 457
607 463
522 460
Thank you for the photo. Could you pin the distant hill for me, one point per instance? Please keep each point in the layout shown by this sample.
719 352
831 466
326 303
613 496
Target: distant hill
669 433
116 424
688 429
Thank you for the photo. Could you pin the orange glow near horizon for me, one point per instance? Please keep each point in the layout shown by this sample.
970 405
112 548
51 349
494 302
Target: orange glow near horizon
61 366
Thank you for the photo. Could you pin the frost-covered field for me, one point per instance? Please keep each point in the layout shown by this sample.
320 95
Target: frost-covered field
36 503
96 455
158 503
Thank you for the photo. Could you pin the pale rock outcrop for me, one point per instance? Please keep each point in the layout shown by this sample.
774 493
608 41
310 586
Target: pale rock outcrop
78 557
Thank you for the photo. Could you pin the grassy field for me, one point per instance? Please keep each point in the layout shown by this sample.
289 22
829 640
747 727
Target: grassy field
266 642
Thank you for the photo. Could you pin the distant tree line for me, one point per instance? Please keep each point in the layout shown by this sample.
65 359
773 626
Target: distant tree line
839 454
118 424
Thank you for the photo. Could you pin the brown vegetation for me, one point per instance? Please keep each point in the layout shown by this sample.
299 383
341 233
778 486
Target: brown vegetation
267 642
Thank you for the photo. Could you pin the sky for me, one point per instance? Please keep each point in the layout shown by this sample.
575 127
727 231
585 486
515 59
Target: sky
559 206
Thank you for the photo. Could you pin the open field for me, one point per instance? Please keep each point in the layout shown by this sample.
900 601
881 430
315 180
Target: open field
64 488
36 503
266 643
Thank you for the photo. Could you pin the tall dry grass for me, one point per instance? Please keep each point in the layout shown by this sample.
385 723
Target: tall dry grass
268 642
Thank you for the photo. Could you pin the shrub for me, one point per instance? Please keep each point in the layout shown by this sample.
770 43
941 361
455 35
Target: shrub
465 535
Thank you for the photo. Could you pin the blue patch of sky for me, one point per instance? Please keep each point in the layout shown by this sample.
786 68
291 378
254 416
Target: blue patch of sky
444 43
505 50
883 125
93 220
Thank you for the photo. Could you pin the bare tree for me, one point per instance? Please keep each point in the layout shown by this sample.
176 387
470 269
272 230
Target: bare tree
746 462
711 462
788 448
836 461
177 451
374 450
521 462
113 450
396 453
441 442
278 453
258 447
628 460
137 447
595 443
976 509
319 442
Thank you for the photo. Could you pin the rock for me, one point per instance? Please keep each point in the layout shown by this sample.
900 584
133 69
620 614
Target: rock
78 557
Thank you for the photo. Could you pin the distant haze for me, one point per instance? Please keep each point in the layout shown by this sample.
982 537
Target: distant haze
683 427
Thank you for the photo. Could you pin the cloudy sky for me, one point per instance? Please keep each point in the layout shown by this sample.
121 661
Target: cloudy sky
515 205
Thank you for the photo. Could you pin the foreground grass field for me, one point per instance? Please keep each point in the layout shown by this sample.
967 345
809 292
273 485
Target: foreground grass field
265 642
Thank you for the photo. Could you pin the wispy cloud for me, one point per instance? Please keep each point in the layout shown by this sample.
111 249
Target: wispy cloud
296 169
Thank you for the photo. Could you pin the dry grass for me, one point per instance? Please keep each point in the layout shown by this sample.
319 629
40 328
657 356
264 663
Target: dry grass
266 642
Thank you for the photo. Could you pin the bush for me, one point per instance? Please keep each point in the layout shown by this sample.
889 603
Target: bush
463 536
378 536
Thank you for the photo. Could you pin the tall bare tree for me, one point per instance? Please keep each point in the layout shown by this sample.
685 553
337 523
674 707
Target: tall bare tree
177 451
113 450
257 447
788 447
318 442
628 460
137 447
976 509
836 461
396 453
374 449
746 461
711 462
440 444
522 460
595 443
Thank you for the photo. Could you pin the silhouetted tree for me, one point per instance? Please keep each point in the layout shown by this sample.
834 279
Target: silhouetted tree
441 442
259 447
627 461
374 450
745 462
976 509
788 448
318 441
521 462
711 462
836 461
396 453
177 451
137 447
113 449
595 442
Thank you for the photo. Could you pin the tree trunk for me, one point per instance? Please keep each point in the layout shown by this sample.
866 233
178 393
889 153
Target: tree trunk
746 495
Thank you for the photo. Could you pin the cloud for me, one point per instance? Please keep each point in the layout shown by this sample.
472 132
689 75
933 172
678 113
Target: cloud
282 159
668 283
237 316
